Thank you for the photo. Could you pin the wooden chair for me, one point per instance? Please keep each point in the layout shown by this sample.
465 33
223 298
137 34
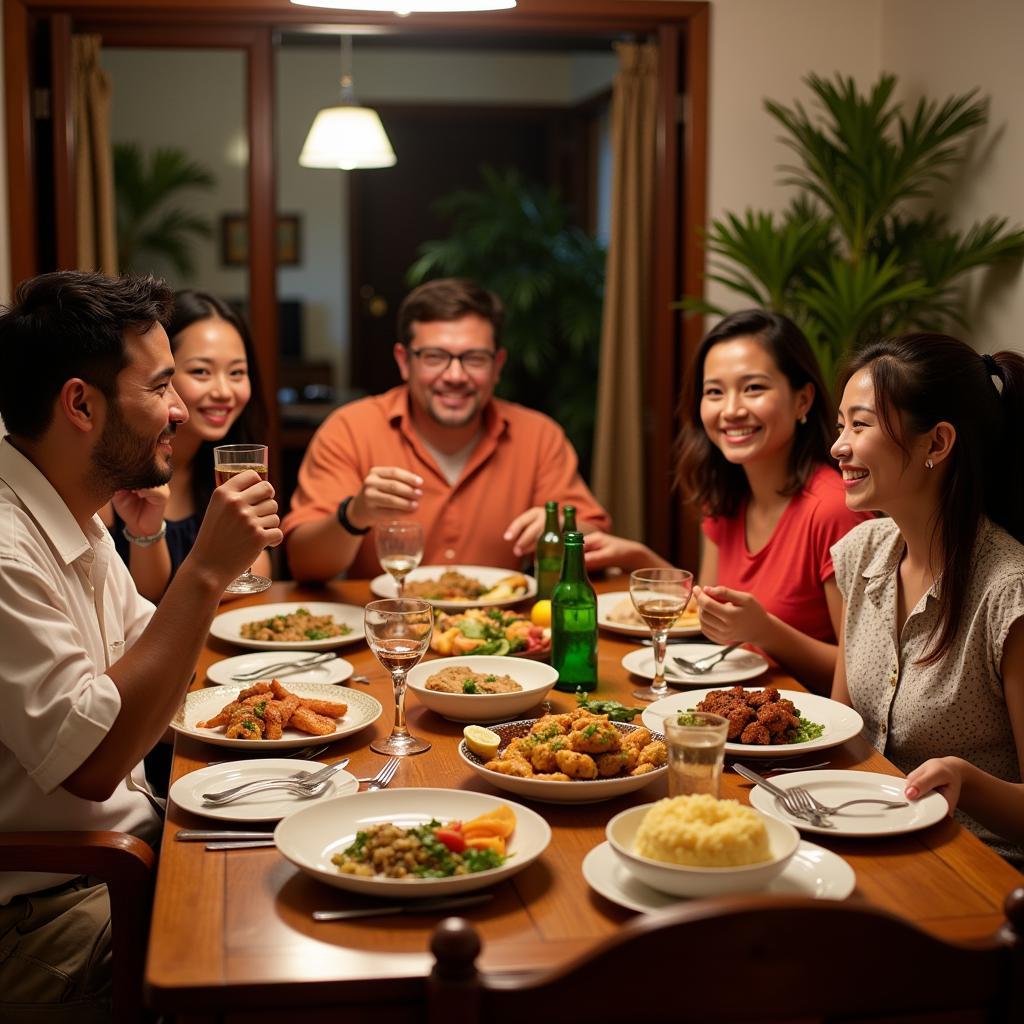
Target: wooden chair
747 959
126 864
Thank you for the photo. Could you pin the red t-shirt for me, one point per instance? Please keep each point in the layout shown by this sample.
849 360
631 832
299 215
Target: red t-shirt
788 574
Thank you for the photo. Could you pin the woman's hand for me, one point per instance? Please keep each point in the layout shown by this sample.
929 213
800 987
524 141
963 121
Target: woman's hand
731 616
142 510
601 550
942 774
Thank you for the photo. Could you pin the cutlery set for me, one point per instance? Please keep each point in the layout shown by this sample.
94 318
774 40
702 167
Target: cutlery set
798 802
284 668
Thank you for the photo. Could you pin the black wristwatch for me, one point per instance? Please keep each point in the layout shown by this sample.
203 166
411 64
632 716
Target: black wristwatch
345 522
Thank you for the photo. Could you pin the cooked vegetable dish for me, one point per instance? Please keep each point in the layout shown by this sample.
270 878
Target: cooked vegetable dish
300 624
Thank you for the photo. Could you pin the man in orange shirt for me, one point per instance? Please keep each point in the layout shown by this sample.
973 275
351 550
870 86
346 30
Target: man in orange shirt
439 449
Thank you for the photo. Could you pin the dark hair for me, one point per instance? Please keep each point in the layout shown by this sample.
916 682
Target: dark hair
703 473
67 325
924 379
191 307
449 298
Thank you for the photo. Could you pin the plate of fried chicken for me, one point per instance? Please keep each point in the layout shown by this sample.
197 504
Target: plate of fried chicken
767 722
268 715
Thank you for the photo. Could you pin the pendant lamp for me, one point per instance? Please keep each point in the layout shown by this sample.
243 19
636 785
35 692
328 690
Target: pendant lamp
347 137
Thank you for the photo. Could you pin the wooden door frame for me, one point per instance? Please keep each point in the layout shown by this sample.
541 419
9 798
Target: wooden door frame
681 28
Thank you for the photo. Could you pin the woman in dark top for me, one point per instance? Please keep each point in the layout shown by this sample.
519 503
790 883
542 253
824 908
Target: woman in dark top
215 376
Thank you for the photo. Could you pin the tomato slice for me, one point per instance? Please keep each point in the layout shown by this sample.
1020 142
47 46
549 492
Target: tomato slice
453 839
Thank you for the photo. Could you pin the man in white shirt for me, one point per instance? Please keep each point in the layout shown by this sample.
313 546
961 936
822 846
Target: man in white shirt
90 673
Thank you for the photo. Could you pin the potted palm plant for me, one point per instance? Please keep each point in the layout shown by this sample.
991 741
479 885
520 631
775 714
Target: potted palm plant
862 250
147 225
518 240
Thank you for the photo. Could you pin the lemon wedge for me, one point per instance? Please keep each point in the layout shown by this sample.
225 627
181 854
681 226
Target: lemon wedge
481 741
540 613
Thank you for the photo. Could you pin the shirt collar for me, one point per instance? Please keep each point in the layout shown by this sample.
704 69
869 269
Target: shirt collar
43 503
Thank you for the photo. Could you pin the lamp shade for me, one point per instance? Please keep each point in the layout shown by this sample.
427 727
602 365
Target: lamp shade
410 6
347 138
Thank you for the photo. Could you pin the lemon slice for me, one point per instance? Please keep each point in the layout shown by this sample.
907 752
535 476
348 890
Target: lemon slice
481 741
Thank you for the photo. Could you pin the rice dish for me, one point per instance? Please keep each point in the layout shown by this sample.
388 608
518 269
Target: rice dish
700 831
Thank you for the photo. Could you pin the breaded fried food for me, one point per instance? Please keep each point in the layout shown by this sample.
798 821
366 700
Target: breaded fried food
757 734
550 724
309 721
595 737
513 766
273 729
639 739
576 765
256 690
282 693
245 724
655 753
553 777
221 718
643 769
610 765
328 708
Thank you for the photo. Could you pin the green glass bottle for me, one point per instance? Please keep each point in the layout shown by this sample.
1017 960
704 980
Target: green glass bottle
547 557
568 520
574 622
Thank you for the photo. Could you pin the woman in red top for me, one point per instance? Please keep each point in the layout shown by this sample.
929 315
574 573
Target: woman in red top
754 455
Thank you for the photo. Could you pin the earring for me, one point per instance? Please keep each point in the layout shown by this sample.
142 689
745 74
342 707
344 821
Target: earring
803 420
928 464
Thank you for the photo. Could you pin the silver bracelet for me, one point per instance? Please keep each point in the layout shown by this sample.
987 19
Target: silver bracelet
145 542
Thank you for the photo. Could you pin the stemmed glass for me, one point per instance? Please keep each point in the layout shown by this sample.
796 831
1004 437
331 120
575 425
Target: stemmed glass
400 549
229 460
398 632
659 596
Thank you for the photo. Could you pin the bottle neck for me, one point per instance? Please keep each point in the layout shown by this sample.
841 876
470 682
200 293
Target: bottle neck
551 517
573 568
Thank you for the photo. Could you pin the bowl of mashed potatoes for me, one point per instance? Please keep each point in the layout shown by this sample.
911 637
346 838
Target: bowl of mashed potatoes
701 846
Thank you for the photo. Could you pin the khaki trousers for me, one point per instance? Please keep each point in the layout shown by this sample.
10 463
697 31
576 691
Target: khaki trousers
55 959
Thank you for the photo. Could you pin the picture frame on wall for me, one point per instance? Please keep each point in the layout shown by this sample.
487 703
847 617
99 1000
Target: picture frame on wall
234 239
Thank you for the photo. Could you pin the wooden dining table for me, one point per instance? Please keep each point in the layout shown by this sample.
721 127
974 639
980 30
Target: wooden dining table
233 937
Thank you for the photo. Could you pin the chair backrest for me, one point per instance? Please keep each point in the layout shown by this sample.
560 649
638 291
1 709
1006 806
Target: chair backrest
748 959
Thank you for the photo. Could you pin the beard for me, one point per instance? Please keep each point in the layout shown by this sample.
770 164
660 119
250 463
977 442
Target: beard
125 460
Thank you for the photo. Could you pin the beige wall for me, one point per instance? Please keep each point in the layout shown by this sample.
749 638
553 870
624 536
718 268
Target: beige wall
943 47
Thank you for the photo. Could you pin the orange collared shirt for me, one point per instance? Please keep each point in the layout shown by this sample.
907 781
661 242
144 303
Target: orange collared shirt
522 459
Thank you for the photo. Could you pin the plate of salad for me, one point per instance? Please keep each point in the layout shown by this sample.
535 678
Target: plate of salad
489 631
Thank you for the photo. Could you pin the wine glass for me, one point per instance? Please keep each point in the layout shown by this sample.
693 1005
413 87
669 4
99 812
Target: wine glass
398 632
659 596
399 548
229 460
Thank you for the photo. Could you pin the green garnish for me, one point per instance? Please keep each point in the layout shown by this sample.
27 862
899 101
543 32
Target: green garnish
806 731
615 711
468 686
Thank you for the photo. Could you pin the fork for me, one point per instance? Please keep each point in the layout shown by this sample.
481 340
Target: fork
311 785
802 798
383 777
283 667
704 665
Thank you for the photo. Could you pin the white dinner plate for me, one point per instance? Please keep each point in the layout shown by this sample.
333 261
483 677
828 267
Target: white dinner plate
312 835
735 667
384 585
833 787
337 670
202 705
840 722
606 603
812 871
228 625
187 792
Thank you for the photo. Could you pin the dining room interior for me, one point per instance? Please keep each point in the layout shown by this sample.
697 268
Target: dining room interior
289 896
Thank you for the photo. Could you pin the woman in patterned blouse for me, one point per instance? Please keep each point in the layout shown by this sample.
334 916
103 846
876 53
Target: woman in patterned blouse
932 652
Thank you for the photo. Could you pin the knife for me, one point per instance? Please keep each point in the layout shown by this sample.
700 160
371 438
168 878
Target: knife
760 780
195 835
419 907
242 844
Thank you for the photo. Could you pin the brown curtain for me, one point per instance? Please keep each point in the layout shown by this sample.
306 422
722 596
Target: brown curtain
95 216
618 474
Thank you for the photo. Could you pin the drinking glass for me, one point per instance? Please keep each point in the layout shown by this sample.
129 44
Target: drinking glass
399 548
696 750
659 596
229 460
398 632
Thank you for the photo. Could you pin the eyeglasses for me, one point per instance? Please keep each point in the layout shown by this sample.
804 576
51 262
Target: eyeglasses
476 360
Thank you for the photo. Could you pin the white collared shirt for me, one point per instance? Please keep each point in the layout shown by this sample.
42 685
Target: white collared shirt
65 597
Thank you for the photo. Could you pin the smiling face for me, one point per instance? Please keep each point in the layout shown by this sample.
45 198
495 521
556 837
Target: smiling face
212 377
135 445
748 408
452 397
878 474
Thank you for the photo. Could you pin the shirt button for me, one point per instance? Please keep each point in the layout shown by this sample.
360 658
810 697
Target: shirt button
885 729
449 554
892 679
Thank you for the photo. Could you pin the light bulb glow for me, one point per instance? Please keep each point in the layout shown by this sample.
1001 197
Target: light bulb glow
347 138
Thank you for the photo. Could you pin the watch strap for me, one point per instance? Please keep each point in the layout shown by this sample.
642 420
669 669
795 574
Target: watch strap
346 524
